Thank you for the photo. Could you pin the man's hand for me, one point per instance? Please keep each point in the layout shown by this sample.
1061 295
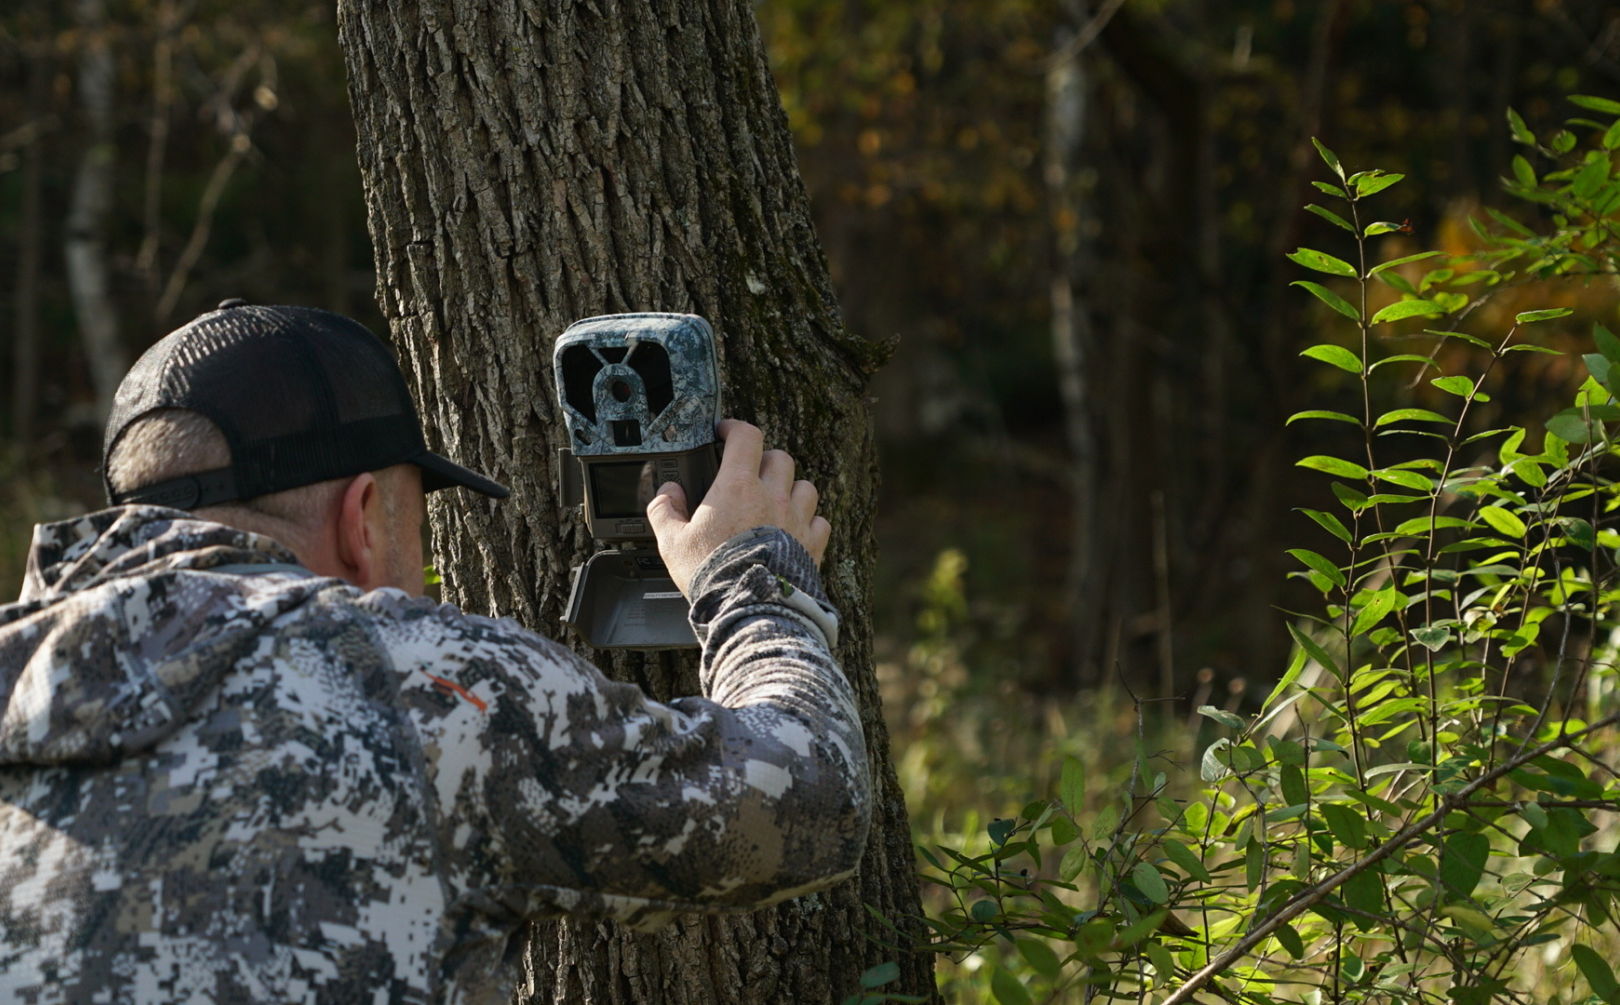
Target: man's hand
753 488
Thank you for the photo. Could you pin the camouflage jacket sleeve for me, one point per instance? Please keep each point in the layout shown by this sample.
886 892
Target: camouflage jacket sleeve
560 790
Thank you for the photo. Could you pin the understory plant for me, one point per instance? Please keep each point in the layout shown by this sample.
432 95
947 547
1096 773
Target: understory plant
1422 809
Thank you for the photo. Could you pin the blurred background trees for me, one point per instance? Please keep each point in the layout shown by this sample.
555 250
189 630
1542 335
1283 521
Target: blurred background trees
1073 215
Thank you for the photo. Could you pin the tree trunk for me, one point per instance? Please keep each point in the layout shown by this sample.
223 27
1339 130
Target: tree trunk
88 272
529 162
1073 336
30 245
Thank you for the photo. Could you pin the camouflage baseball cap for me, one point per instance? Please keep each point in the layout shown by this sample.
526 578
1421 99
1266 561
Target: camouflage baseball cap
301 395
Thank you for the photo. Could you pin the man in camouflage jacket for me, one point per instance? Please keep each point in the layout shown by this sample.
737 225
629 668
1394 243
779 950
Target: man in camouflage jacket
229 773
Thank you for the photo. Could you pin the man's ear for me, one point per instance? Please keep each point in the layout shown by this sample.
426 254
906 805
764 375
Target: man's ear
359 531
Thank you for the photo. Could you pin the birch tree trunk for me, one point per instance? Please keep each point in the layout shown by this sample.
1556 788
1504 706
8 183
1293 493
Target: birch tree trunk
88 272
529 162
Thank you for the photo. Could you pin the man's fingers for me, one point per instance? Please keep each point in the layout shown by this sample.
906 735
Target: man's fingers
816 543
667 509
744 445
804 500
776 471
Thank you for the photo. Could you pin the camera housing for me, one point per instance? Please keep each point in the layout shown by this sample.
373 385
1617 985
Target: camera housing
640 394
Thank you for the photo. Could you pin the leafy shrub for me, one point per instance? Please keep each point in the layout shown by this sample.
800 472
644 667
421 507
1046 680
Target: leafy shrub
1413 813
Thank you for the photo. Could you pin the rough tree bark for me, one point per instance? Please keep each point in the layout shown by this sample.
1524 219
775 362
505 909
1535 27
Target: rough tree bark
528 162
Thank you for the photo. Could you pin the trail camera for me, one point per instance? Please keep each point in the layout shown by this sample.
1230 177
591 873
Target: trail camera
641 396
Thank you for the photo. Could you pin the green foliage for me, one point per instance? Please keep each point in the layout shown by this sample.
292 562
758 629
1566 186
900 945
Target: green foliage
1423 797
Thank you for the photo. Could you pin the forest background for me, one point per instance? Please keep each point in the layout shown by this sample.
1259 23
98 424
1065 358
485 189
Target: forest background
1071 218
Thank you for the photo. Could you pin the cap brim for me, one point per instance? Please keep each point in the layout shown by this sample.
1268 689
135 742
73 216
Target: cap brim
443 473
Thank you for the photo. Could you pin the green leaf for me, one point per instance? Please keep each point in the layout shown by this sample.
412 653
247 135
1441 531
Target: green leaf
1186 858
1220 715
1328 156
1072 784
1577 425
1607 344
1503 521
1414 414
1292 781
1336 355
1346 824
1321 564
1290 940
1464 336
1000 830
1330 523
1163 962
1040 956
1322 262
1375 610
1330 298
1463 863
1317 413
1074 860
1332 190
1521 132
1405 479
1402 309
1210 767
1365 893
1593 103
1332 466
1147 879
1392 263
1330 217
1530 317
984 911
1459 385
1008 989
1523 171
1378 227
1431 637
1316 652
1597 973
1295 665
883 973
1064 830
1373 182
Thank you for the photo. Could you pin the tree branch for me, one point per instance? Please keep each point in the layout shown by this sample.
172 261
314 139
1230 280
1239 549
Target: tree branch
1303 901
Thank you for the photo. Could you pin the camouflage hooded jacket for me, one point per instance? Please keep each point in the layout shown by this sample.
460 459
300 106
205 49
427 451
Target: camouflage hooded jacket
262 785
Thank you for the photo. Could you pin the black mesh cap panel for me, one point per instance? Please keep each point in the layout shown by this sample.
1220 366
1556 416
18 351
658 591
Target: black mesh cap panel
301 395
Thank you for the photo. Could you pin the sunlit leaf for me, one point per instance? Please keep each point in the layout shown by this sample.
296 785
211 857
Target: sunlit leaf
1332 466
1330 298
1336 355
1502 521
1322 262
1402 309
1330 217
1592 103
1373 182
1457 384
1412 414
1529 317
1328 156
1317 413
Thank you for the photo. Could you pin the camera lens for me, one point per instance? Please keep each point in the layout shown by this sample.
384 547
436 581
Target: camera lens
620 390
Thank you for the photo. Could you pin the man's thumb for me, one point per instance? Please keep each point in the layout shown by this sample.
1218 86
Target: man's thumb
667 509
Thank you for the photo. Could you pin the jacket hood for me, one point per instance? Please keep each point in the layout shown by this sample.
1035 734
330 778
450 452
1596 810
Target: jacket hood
122 630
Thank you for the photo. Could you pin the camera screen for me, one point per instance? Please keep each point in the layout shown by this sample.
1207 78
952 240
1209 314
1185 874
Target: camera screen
622 490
